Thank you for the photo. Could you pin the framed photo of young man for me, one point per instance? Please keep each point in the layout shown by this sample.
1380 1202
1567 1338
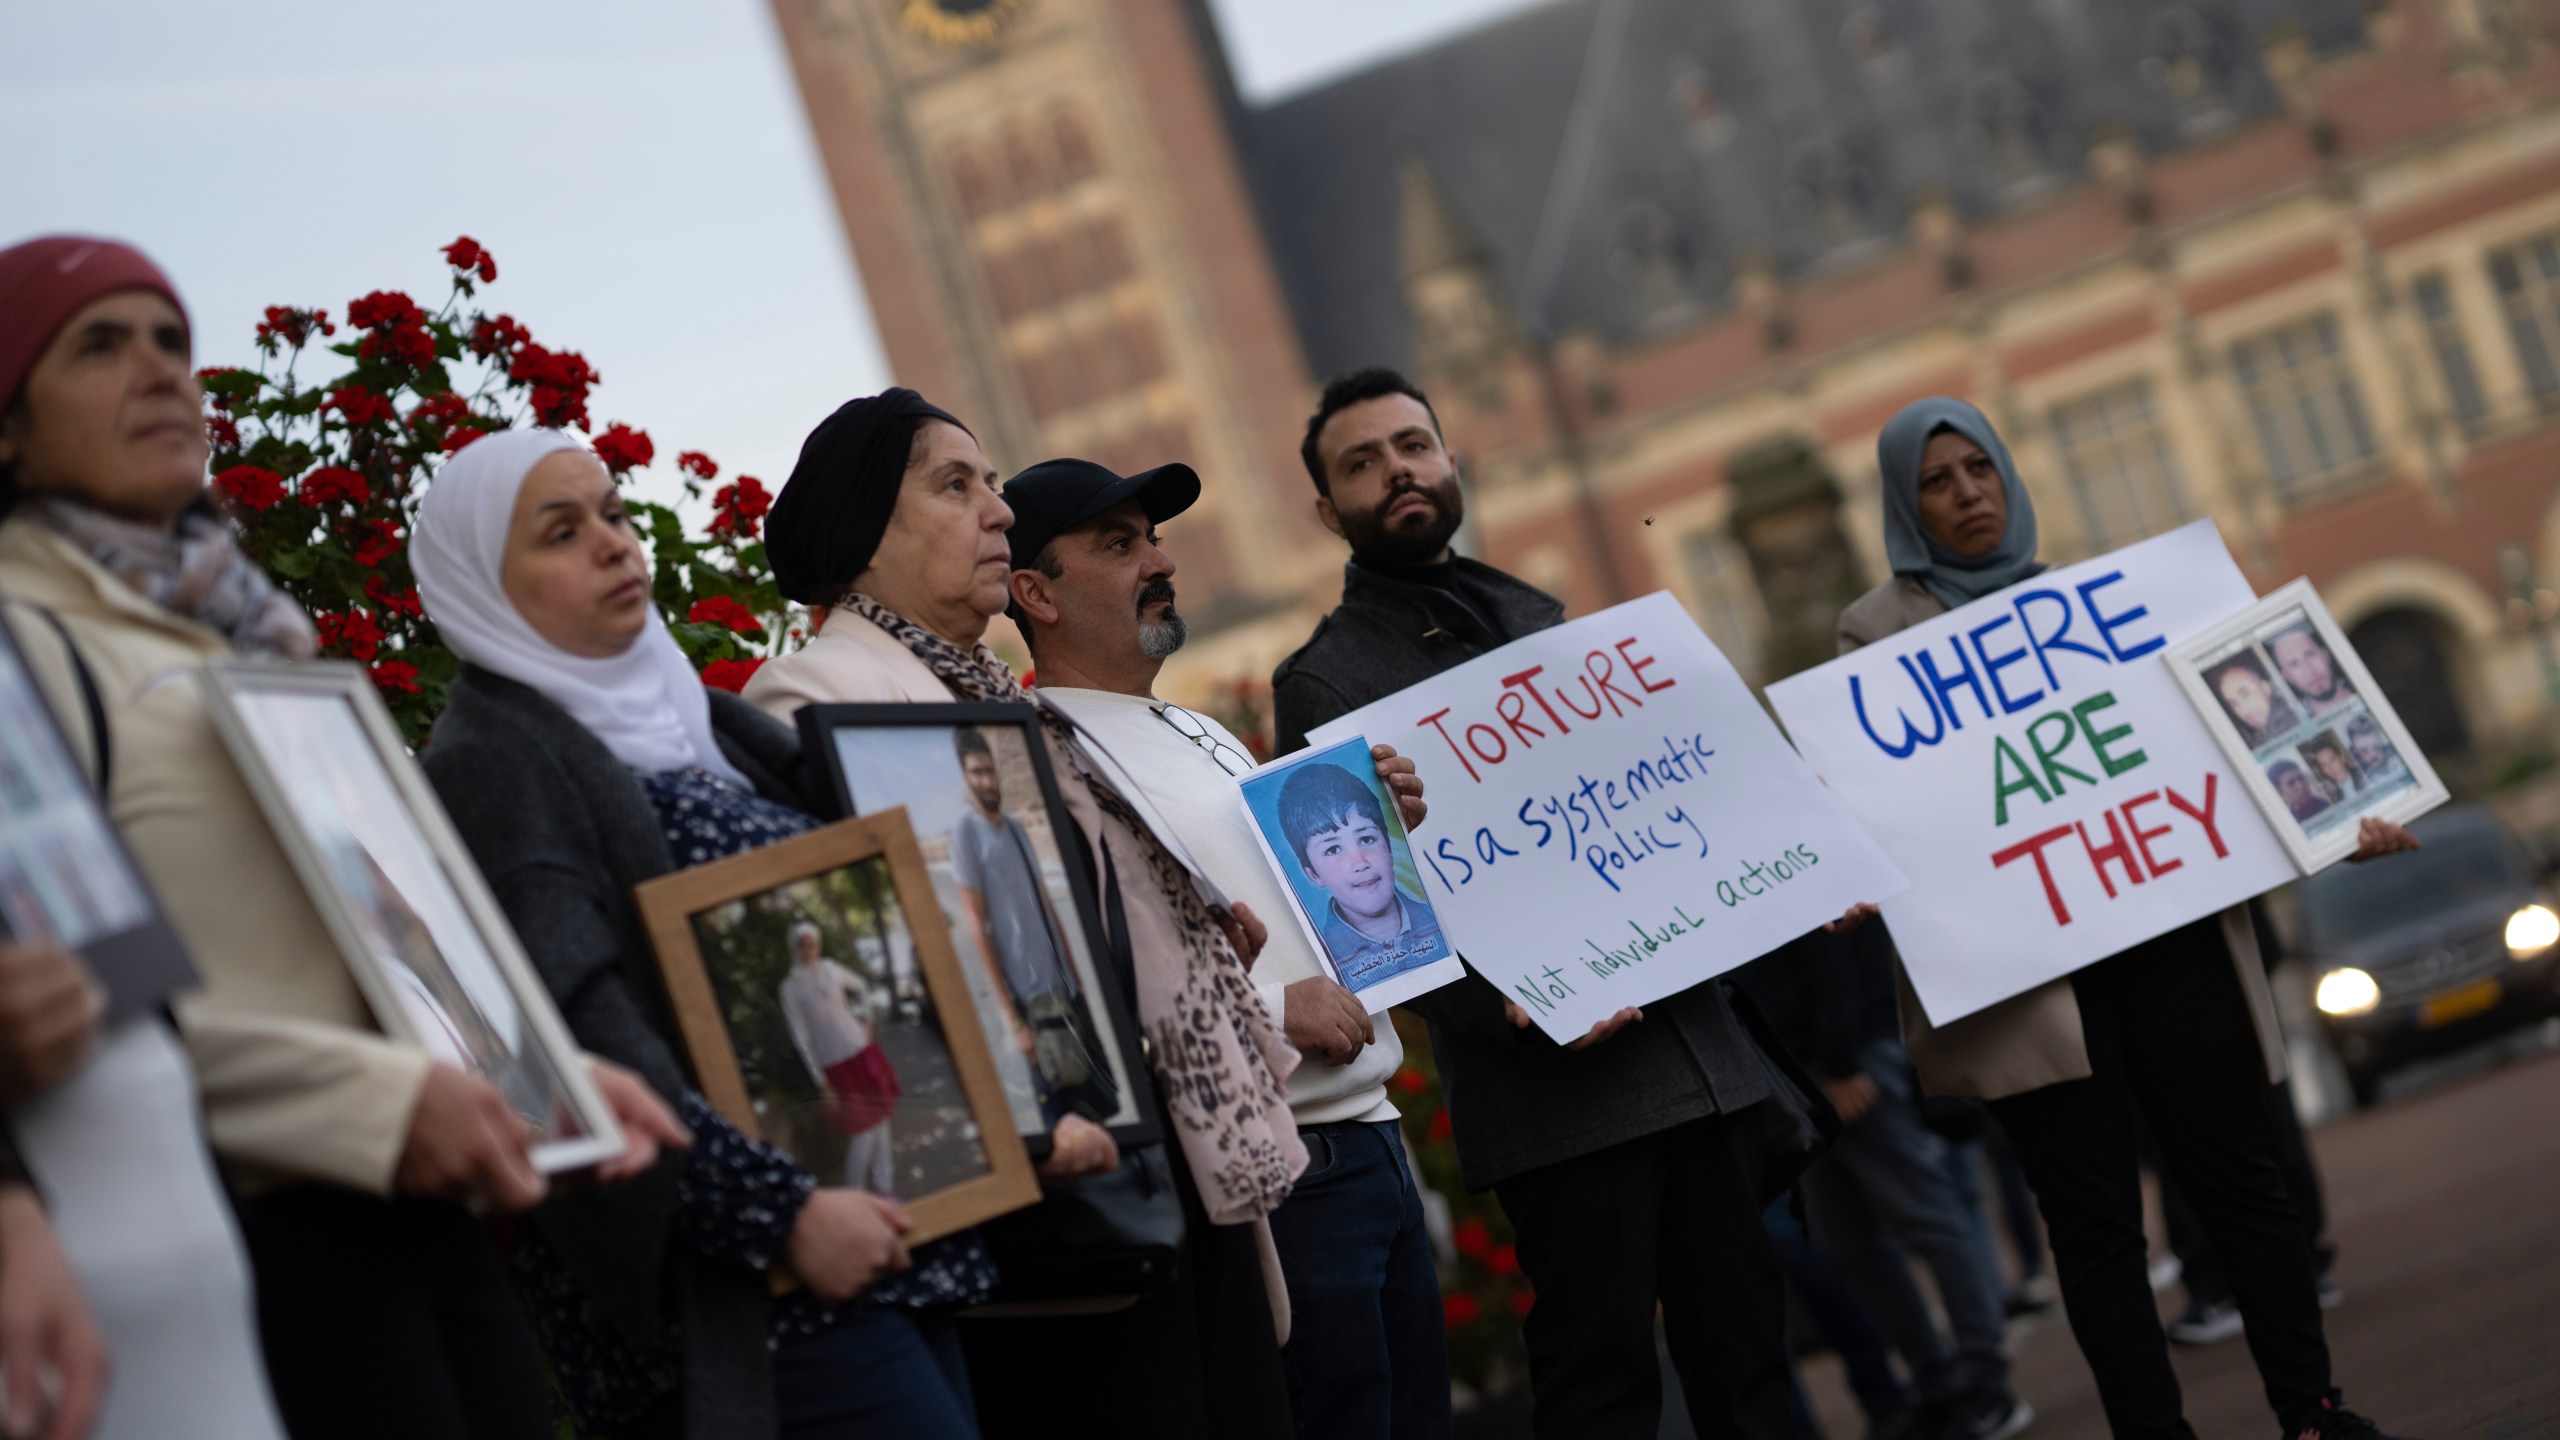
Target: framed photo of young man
827 1014
65 875
427 943
2301 720
1004 860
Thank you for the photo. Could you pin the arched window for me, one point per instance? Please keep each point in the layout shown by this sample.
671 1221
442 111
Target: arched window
2007 131
1034 170
1077 159
2187 60
1827 200
2408 651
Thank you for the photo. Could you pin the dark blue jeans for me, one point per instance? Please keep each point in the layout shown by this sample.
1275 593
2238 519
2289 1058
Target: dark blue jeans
1883 1193
1367 1355
880 1371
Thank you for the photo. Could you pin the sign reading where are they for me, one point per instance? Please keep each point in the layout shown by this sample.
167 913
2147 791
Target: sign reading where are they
2032 764
1613 816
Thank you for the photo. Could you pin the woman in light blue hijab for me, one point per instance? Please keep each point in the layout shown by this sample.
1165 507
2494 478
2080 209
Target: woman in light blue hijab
2176 1030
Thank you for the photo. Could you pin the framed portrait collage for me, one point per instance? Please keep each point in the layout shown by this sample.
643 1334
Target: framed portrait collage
2299 716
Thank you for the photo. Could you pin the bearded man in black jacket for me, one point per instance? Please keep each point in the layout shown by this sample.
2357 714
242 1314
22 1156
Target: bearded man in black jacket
1633 1162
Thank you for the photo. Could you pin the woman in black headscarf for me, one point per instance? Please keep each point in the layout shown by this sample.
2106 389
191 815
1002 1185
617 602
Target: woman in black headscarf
2177 1032
892 528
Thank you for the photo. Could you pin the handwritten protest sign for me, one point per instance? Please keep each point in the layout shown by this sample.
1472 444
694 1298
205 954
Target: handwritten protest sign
1613 818
2031 763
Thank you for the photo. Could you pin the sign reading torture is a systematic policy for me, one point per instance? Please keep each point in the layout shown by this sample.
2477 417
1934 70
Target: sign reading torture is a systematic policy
1613 816
2032 764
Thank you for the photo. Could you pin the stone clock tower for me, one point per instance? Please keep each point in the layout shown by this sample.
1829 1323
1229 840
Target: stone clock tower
1045 202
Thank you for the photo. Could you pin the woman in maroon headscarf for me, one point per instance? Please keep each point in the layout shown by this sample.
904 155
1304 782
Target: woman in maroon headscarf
382 1304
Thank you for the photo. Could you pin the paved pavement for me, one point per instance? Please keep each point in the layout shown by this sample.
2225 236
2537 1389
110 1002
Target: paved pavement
2445 1204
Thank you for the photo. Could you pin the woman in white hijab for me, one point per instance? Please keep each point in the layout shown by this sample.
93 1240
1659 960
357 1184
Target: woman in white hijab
580 756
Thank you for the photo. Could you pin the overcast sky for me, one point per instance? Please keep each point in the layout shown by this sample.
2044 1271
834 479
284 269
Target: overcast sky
642 170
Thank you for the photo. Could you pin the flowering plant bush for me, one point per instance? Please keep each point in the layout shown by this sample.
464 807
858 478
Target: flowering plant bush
323 478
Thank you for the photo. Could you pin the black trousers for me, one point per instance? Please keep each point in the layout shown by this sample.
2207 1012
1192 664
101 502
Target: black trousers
2201 1266
2170 1044
1672 1218
390 1319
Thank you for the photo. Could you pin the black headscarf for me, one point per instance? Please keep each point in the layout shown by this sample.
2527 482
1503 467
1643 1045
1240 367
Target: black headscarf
827 522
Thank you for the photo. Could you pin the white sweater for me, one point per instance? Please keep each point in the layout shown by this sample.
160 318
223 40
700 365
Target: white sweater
1194 797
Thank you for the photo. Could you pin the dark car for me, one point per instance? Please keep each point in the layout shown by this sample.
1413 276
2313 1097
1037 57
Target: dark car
2425 953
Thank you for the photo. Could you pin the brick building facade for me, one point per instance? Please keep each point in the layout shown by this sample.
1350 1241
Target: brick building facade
1666 267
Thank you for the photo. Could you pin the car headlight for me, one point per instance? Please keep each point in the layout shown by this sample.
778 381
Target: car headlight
2532 930
2346 992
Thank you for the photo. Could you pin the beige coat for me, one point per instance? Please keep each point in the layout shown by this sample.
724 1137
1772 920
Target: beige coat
2032 1040
297 1083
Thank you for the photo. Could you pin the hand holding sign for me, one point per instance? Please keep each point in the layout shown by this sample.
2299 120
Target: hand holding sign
1616 818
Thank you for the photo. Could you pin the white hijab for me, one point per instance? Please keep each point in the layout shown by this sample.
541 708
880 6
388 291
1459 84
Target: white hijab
646 704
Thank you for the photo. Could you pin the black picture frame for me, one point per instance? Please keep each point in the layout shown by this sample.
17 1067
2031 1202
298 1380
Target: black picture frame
64 865
826 730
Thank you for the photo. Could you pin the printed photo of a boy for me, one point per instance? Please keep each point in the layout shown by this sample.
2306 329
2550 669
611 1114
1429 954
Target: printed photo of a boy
1371 925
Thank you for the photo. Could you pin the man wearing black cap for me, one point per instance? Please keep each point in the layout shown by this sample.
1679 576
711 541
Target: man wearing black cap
1093 595
1634 1162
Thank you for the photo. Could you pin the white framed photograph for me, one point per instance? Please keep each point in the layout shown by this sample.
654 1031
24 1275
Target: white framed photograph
1334 837
425 939
64 873
2300 718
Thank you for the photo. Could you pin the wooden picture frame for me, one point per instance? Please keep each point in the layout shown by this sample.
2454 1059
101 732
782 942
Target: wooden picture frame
1084 1055
425 939
65 873
886 1079
2315 764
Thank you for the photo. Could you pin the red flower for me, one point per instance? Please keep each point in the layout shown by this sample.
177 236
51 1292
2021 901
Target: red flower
250 486
466 255
353 634
396 677
721 610
498 335
360 406
293 326
1438 1129
559 379
381 542
1473 1238
1409 1081
412 347
1459 1309
223 431
403 602
623 448
332 483
385 310
441 409
459 436
1503 1261
738 510
1522 1301
698 465
731 675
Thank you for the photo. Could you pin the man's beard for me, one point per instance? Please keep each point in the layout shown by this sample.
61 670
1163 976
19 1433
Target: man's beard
1160 638
1416 540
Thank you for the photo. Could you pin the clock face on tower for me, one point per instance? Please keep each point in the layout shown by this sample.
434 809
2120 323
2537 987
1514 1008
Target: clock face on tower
959 24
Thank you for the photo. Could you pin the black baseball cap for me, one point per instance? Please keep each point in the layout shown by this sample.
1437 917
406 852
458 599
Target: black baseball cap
1055 496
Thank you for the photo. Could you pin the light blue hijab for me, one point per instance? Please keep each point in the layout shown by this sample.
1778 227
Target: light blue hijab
1907 546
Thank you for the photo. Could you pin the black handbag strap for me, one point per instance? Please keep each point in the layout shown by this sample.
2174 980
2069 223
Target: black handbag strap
101 737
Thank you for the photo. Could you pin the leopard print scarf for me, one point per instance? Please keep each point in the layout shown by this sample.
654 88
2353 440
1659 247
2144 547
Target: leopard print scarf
1219 1060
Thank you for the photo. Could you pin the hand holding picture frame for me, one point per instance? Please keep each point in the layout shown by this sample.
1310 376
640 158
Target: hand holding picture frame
826 1014
1001 851
426 941
1336 840
2300 718
65 875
